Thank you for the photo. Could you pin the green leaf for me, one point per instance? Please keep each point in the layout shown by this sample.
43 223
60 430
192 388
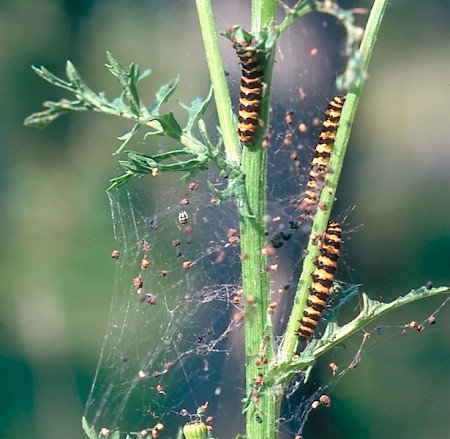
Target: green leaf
129 135
127 80
81 89
118 182
88 430
43 118
142 163
52 79
170 126
235 189
238 35
163 94
197 108
213 150
55 109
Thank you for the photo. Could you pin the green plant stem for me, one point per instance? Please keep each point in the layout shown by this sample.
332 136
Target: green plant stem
254 167
304 8
261 415
372 310
218 80
329 192
335 335
263 14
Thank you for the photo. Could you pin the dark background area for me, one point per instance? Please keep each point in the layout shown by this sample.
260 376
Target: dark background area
55 271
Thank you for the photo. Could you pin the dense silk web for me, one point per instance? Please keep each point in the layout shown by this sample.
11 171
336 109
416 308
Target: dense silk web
174 338
172 341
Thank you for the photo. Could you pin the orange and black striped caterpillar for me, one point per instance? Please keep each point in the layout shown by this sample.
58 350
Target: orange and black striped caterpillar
323 277
251 90
321 159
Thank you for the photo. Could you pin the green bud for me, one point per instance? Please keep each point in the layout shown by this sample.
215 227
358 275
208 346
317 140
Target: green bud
195 430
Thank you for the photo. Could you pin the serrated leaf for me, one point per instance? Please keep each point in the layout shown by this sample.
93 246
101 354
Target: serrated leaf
128 136
81 89
127 80
196 109
213 150
170 125
88 430
163 94
118 182
55 109
52 79
42 118
72 73
143 163
169 154
235 189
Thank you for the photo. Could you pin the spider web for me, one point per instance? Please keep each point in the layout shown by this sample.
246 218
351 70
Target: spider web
170 345
175 342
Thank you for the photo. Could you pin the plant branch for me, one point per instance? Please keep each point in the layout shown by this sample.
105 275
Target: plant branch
218 80
281 373
329 191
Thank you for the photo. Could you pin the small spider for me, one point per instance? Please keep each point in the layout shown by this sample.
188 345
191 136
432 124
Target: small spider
183 217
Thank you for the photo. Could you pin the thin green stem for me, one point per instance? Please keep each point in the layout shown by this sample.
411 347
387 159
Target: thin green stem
280 374
372 310
218 80
302 9
372 29
329 192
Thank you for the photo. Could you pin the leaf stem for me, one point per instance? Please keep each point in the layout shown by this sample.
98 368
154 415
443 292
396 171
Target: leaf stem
218 80
281 373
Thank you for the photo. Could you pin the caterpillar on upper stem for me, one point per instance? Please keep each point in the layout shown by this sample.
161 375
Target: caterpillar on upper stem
251 85
321 159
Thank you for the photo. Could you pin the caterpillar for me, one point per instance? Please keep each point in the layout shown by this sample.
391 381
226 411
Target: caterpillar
320 161
323 277
251 88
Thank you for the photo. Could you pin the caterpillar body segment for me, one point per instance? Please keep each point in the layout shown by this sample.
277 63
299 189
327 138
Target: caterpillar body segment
323 278
321 159
251 88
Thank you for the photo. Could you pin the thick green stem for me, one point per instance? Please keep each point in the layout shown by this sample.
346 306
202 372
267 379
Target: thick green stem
263 14
262 413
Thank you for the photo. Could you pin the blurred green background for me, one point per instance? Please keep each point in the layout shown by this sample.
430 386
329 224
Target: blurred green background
56 274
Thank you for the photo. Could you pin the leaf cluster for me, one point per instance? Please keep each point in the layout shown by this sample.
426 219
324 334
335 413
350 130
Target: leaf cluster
193 154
